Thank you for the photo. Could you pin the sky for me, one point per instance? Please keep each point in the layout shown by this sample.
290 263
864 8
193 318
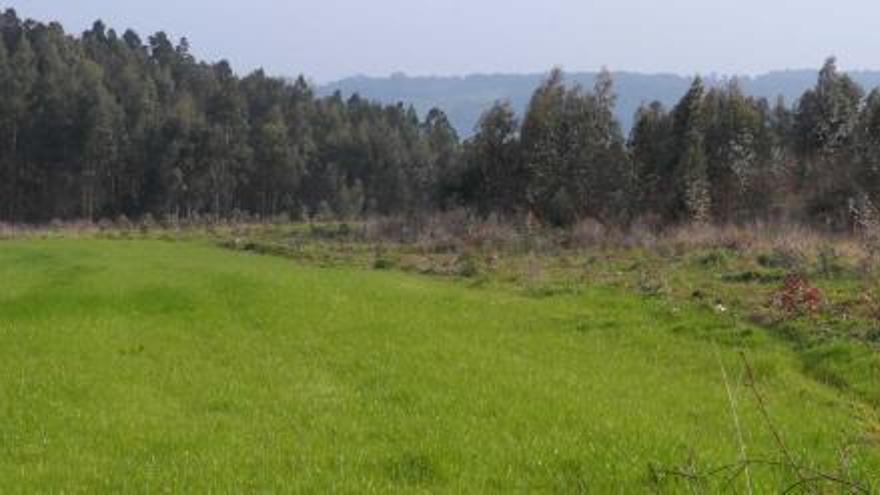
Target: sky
331 39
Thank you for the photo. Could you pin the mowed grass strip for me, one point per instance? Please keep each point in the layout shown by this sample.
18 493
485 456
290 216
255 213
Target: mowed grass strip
143 366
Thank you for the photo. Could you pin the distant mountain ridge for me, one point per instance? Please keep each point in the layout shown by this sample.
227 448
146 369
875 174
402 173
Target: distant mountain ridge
465 98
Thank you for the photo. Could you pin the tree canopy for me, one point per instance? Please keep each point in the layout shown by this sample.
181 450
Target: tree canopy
101 125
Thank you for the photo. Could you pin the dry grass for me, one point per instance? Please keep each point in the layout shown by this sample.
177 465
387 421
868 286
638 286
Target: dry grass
791 239
459 232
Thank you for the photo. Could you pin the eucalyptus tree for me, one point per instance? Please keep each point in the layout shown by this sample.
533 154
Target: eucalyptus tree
691 163
826 120
499 178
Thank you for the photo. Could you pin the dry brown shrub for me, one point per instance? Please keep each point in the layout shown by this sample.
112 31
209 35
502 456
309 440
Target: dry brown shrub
642 233
794 239
867 223
706 236
493 233
444 232
6 230
123 223
387 229
588 233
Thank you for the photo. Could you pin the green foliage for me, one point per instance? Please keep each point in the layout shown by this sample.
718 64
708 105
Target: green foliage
829 262
573 151
496 173
691 163
787 258
383 263
115 126
826 121
468 265
100 125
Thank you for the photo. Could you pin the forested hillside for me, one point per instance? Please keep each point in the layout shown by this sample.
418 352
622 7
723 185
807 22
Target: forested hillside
464 99
107 124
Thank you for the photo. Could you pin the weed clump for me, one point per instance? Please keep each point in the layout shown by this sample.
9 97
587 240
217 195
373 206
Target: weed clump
467 266
383 263
652 283
829 262
753 276
783 257
715 258
147 224
798 297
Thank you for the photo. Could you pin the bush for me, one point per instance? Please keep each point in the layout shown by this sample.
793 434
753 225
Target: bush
383 263
829 262
388 229
652 283
325 213
56 224
753 276
716 258
588 233
797 297
123 223
492 233
467 266
785 257
105 224
148 223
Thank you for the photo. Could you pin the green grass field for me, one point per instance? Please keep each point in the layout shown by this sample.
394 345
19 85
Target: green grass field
149 366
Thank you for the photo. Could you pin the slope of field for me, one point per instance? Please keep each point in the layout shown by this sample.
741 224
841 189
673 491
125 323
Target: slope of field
152 366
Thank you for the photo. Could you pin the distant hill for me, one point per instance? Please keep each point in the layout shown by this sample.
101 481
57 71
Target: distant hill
465 98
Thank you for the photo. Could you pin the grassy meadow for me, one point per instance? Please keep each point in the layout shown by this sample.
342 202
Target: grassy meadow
160 366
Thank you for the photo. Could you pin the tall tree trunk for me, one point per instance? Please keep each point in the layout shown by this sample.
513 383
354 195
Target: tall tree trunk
13 170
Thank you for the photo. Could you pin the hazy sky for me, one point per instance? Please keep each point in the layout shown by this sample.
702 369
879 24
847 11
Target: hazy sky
329 39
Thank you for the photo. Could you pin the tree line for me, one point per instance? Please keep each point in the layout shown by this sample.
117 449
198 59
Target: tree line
717 156
102 125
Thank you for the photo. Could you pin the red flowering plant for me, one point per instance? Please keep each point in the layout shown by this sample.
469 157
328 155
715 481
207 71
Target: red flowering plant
798 297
